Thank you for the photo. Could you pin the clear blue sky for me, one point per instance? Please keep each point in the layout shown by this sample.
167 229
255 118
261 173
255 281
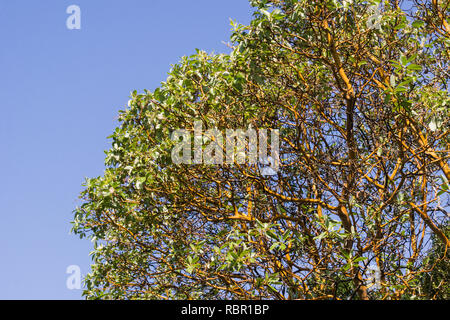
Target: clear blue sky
60 92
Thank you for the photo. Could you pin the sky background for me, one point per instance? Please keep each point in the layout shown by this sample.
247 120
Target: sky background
60 92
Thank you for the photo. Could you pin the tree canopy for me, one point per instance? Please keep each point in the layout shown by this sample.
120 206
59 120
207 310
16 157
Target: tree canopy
358 91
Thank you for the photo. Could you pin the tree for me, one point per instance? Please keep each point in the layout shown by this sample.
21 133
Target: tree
359 93
435 283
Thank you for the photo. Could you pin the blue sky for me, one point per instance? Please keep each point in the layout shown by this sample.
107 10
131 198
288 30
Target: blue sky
60 92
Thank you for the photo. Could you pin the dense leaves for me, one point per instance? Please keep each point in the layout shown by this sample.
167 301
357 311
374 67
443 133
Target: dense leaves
357 207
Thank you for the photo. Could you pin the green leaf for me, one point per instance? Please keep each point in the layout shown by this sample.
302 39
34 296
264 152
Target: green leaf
361 63
360 259
403 60
415 67
417 24
404 83
379 151
433 125
399 89
400 26
265 12
321 236
392 80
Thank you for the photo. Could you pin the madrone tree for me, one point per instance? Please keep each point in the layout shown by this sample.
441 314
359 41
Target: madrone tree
359 93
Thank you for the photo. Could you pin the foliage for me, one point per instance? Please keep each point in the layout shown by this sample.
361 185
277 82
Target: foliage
435 284
363 181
